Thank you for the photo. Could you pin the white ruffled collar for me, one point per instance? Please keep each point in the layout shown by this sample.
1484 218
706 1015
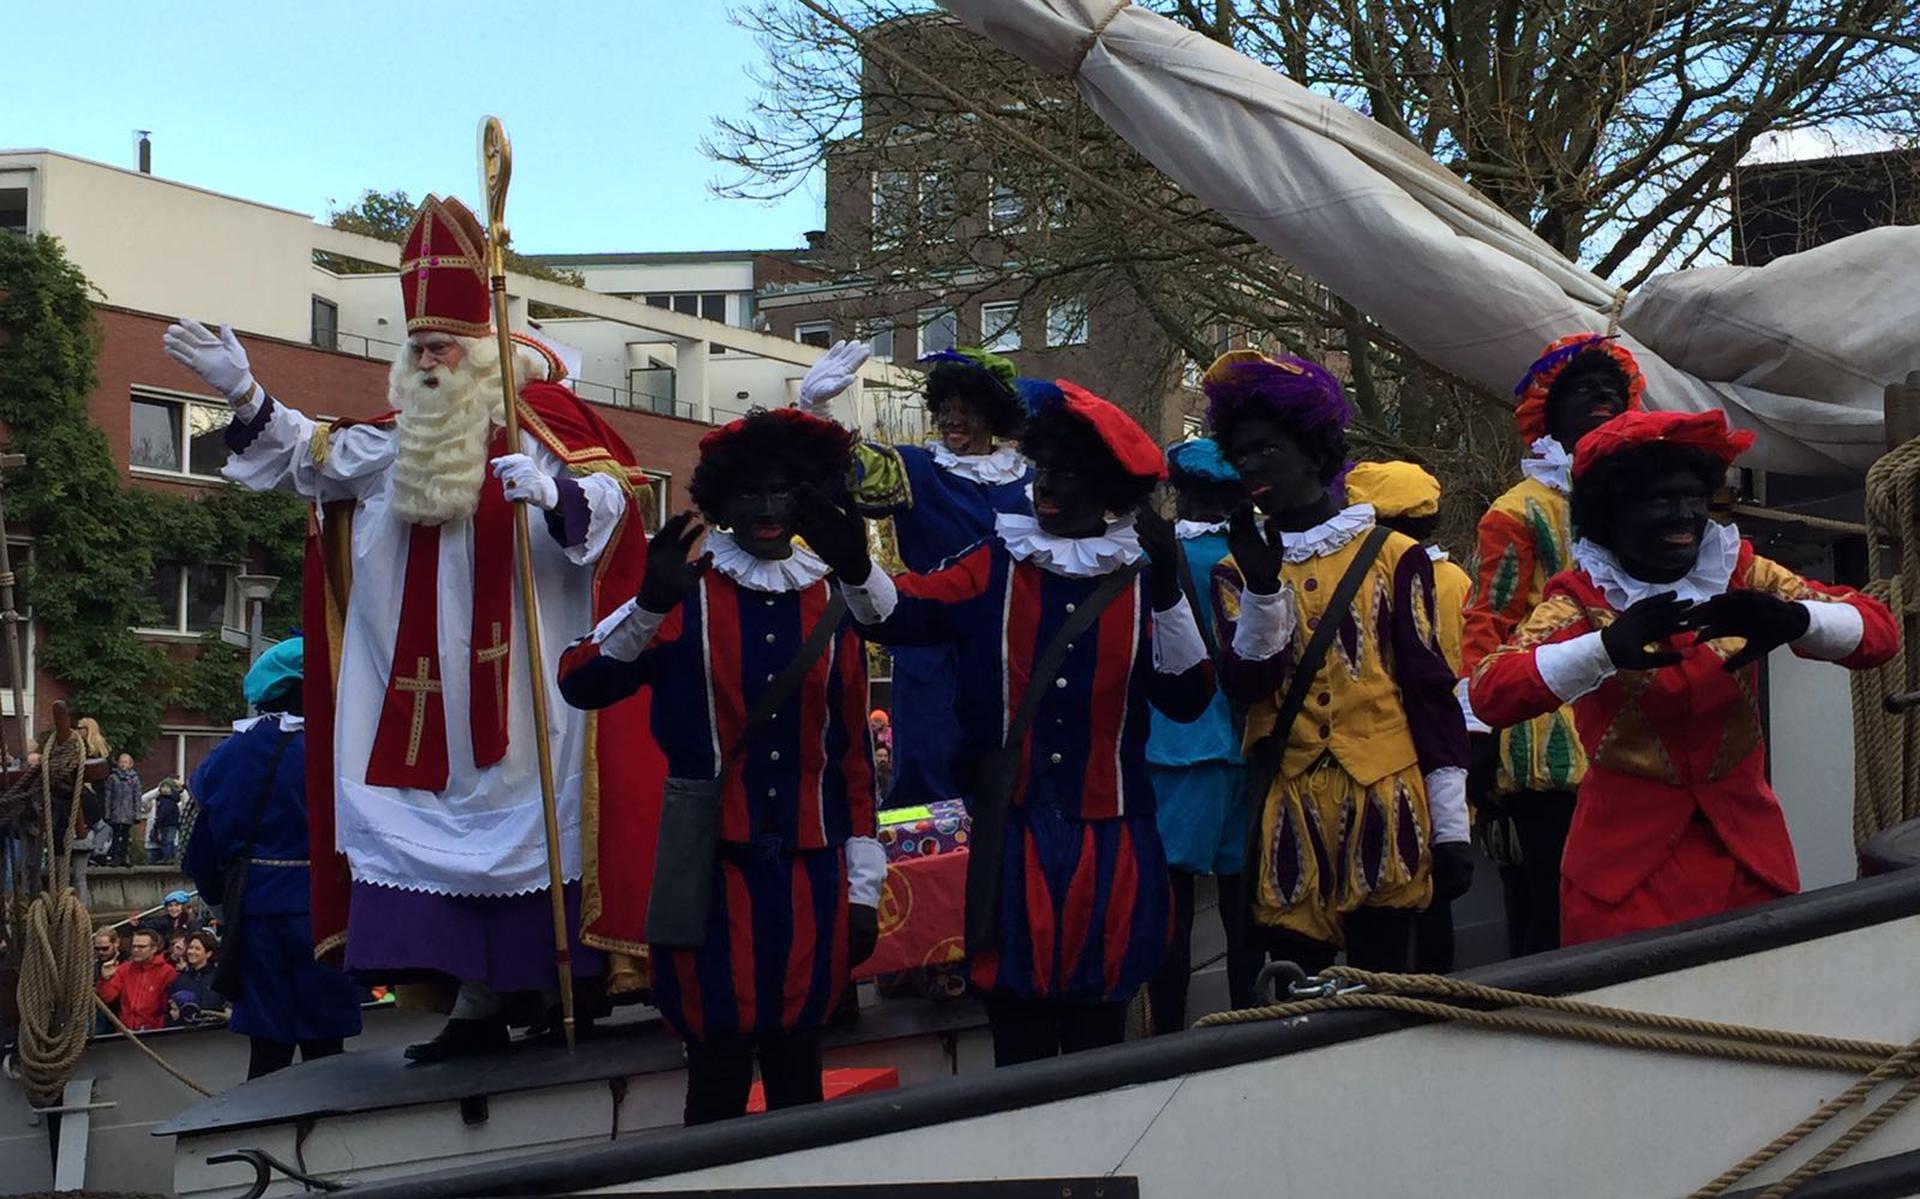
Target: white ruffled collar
1549 463
1436 554
1187 530
1074 557
288 721
1004 465
1329 535
1712 570
796 572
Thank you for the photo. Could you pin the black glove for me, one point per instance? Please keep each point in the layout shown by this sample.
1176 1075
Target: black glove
1766 622
671 576
1163 556
840 538
863 932
1653 619
1255 551
1483 767
1452 870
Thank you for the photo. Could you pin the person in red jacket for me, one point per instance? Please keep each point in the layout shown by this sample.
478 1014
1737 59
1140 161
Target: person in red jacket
140 984
1652 639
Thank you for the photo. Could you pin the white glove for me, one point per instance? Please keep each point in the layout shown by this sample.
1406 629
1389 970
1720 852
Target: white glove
831 373
521 480
216 358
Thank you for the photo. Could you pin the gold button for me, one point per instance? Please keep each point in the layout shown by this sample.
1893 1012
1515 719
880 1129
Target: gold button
773 755
1054 758
769 638
1059 683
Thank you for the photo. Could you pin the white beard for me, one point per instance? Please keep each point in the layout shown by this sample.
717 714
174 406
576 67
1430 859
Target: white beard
443 431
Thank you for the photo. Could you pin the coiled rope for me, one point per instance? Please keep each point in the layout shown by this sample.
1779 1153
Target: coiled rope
1887 745
1442 998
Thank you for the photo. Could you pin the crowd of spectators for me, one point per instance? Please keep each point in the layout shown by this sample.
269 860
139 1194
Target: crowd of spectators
157 972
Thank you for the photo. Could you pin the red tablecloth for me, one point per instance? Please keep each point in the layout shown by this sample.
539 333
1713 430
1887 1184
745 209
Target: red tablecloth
923 914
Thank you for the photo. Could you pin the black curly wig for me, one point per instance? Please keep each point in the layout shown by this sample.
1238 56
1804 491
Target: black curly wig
1323 443
808 451
1054 434
997 403
1610 483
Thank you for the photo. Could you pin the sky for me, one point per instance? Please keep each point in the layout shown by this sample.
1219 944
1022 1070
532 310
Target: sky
296 104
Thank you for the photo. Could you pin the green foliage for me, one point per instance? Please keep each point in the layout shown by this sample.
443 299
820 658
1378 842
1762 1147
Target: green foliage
97 543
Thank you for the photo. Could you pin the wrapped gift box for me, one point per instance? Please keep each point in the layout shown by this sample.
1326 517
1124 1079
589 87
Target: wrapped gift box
937 828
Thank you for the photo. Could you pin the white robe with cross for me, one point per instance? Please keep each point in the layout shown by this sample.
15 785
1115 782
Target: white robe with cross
484 833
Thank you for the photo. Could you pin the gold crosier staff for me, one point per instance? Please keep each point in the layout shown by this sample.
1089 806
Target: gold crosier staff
496 165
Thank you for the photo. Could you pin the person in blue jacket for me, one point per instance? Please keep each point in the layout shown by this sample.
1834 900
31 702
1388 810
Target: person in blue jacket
1199 775
287 1000
943 498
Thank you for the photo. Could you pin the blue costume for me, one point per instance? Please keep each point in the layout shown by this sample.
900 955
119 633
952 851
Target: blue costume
287 996
938 513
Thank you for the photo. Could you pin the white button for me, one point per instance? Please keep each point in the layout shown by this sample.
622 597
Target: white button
769 603
769 638
1054 758
1069 607
769 678
773 755
1059 683
773 792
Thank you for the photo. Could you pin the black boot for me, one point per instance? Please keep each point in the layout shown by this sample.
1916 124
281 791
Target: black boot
461 1038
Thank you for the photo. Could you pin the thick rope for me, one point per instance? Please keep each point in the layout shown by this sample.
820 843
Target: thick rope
143 1047
1862 1128
1886 746
56 990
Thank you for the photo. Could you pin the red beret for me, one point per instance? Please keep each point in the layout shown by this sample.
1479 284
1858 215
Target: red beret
1531 415
1138 454
1703 431
795 422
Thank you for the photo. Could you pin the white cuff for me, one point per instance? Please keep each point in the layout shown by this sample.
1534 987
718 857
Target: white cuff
1177 644
1447 804
1474 723
626 631
247 409
1572 668
1265 626
866 871
1833 631
872 601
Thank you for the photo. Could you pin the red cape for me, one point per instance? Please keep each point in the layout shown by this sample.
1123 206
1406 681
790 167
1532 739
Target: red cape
624 771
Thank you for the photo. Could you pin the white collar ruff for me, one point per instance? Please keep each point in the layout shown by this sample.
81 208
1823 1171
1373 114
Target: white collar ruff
1187 530
288 721
1327 536
1074 557
1549 463
796 572
1003 465
1712 570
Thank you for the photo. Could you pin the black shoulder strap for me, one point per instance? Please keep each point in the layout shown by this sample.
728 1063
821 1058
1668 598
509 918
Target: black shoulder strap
1048 667
1191 589
790 678
1322 640
266 789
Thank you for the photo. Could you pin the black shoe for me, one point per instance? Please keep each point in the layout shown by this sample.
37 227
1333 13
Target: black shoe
460 1038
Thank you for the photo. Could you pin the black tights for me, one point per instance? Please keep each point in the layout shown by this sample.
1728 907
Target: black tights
1531 890
720 1074
1377 939
267 1056
1168 989
1029 1030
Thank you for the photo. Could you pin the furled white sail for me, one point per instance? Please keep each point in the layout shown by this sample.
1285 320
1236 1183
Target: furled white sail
1797 351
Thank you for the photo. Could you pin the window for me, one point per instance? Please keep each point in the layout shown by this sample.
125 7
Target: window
326 323
814 333
1000 327
13 210
177 436
653 511
193 597
892 202
879 338
939 330
936 203
707 305
177 753
1067 322
1007 209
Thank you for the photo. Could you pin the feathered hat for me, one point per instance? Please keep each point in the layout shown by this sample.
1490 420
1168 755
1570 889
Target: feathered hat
1531 414
1137 454
1246 382
1707 432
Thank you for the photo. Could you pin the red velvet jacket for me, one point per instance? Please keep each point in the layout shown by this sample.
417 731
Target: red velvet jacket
1666 743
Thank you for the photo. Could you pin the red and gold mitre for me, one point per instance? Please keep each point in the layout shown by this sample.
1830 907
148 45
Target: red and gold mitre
443 271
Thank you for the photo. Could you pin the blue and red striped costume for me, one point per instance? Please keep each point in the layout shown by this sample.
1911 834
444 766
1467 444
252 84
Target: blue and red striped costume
1085 900
775 958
